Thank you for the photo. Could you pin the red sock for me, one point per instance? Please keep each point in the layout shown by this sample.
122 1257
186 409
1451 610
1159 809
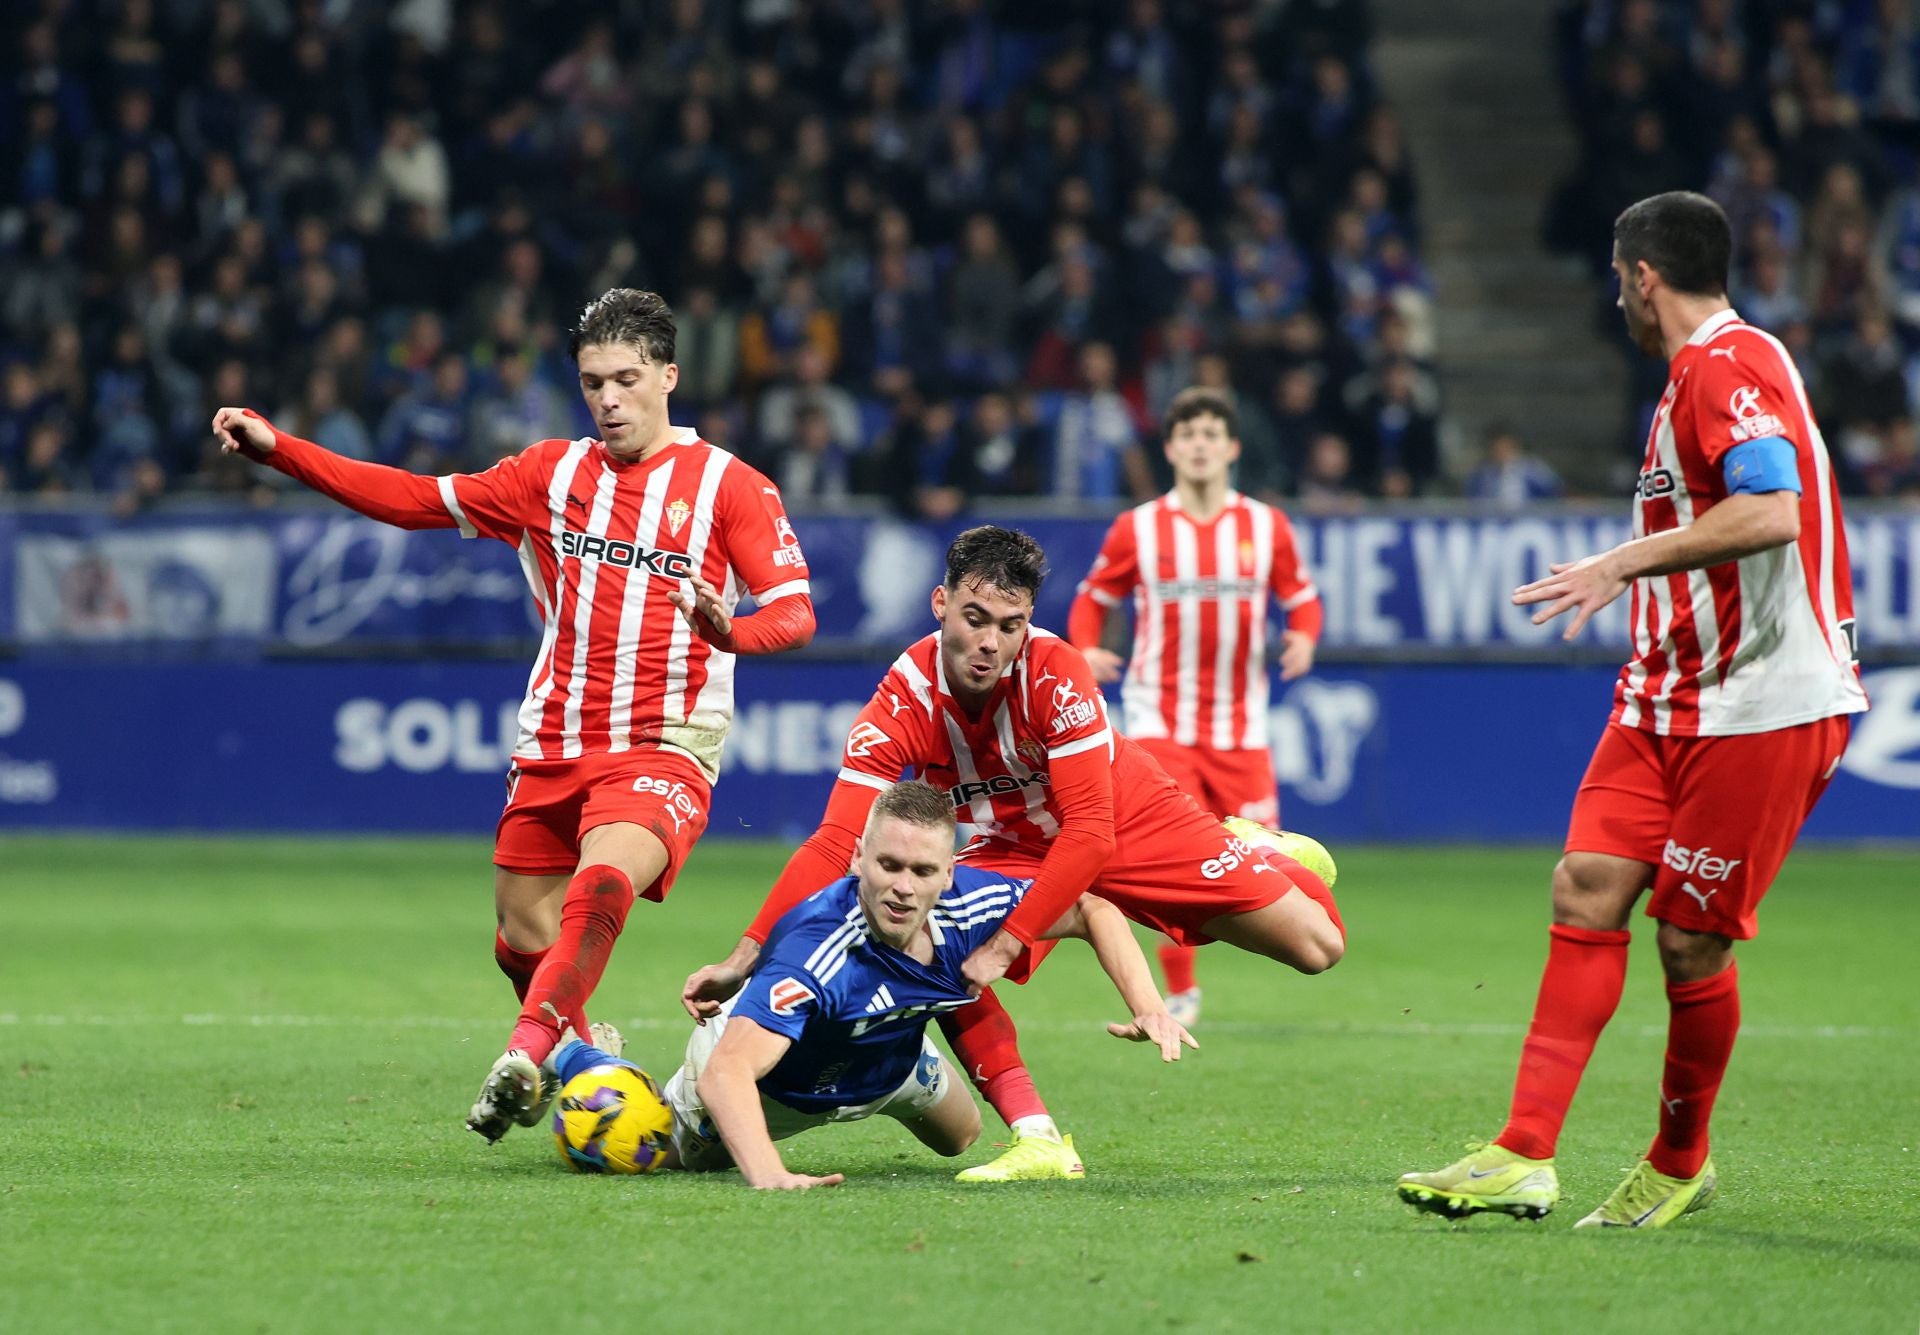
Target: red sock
517 965
1176 964
983 1038
595 910
1704 1016
1316 889
1586 972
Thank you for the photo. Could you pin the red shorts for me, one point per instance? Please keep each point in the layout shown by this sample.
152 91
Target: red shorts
1174 867
1714 816
1227 783
551 804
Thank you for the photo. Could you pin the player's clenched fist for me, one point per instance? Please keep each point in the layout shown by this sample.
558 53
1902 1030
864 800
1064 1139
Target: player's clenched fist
237 427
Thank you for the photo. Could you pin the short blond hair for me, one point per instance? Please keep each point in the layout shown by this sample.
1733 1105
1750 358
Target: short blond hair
916 802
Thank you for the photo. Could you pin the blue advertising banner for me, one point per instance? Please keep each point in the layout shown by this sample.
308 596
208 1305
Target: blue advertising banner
1402 753
324 582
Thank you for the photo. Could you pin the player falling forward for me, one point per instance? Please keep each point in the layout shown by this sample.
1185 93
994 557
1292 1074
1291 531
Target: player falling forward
1201 563
832 1025
1727 723
637 546
1006 719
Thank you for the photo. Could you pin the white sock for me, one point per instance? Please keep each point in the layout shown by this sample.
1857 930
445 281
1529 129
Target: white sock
1039 1125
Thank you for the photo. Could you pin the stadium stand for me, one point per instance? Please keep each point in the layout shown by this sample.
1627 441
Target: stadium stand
1803 121
918 251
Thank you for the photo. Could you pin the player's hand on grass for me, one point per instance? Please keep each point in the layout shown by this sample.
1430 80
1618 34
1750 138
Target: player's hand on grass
989 964
1106 665
1160 1028
701 601
1296 654
798 1182
1582 587
236 428
708 987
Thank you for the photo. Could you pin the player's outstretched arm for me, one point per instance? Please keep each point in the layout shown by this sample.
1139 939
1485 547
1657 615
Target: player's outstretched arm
1103 926
729 1089
390 495
1083 787
1740 525
820 861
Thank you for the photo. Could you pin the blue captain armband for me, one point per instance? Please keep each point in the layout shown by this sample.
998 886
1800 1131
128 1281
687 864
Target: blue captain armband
1763 465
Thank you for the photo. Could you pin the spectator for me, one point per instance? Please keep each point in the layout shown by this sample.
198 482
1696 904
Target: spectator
814 467
1327 481
517 410
320 416
42 290
1401 434
410 171
426 429
1508 477
782 406
984 305
709 349
1096 446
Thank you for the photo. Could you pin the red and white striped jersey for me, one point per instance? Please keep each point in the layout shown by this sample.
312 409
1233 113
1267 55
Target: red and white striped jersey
1767 641
603 543
1044 708
1198 671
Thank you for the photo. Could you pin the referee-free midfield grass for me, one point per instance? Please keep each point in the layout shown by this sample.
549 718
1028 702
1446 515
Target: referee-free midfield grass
232 1076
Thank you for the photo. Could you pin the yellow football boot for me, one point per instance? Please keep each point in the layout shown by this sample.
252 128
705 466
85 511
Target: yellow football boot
1491 1177
1651 1199
1029 1159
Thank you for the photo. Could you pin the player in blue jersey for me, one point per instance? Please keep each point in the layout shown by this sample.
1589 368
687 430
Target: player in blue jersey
832 1025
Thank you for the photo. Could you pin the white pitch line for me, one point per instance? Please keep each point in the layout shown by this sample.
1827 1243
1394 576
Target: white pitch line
1330 1028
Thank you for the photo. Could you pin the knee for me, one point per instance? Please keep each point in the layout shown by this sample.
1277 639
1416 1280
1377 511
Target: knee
1321 952
1587 894
527 927
1689 956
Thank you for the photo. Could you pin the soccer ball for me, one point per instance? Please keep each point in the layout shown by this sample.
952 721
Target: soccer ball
1309 853
611 1119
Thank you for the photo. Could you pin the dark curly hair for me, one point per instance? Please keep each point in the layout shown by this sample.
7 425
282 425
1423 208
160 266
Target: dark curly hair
1001 558
626 315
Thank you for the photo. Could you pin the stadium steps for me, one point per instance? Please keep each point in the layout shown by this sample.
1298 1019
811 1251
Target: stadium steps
1516 328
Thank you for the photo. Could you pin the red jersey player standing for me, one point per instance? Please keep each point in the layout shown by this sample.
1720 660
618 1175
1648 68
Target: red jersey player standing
1201 563
637 546
1006 719
1727 723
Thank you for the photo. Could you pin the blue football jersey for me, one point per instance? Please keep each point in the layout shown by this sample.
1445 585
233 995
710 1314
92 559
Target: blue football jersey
854 1008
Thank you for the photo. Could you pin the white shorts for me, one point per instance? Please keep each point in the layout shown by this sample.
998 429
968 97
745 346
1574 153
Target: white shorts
698 1141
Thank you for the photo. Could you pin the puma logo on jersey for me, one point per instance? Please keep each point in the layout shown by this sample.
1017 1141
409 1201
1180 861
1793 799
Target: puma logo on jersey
612 551
893 709
1722 352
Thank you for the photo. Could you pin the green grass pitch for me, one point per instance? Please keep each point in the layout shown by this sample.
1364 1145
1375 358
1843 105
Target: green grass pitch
232 1076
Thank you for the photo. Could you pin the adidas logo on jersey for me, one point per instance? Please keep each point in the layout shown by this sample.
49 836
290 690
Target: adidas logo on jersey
882 1000
612 551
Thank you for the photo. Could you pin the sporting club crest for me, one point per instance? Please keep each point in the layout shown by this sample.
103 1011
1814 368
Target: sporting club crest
677 512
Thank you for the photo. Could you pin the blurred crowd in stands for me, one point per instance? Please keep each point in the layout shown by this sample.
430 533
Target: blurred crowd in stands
1802 118
929 250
